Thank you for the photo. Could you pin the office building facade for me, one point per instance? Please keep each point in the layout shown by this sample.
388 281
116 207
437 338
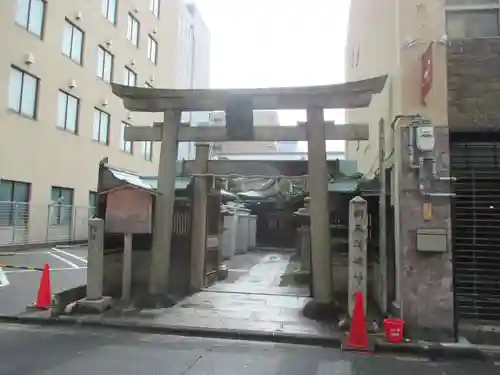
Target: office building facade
58 115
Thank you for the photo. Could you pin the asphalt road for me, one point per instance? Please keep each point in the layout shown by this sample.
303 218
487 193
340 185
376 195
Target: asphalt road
33 350
18 288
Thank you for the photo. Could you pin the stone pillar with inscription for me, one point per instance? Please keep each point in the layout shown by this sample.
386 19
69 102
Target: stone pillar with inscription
358 235
95 302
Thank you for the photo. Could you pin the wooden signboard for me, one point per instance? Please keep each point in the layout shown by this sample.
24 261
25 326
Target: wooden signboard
130 211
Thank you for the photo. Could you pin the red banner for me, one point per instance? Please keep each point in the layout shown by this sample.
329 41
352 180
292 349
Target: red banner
426 78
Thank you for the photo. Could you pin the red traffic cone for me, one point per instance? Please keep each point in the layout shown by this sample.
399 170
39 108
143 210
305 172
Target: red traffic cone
358 337
43 300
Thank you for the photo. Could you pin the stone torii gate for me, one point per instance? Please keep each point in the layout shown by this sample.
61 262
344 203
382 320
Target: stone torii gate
238 105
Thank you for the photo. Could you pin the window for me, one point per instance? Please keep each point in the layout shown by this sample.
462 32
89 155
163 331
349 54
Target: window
152 49
67 114
125 145
93 200
14 203
72 45
148 151
154 6
104 64
468 19
23 92
30 14
61 206
100 127
133 30
130 77
109 10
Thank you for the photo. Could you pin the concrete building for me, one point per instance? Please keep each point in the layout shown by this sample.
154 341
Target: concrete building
261 118
194 66
288 146
437 238
58 115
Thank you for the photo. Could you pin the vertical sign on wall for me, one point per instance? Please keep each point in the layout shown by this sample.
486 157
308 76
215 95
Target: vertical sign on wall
426 77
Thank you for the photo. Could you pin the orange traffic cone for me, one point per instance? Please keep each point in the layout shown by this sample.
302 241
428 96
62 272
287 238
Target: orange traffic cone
43 300
358 337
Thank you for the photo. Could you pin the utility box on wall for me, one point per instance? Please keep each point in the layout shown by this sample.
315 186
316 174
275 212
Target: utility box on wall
432 240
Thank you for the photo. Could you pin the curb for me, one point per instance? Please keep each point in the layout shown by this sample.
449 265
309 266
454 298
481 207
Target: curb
189 331
432 351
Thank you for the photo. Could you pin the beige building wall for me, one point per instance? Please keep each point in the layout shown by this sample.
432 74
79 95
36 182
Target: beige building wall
377 43
35 150
379 39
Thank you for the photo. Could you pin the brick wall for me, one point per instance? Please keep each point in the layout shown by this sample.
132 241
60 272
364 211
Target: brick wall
474 84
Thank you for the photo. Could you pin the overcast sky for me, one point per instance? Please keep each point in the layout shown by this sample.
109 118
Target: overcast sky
263 43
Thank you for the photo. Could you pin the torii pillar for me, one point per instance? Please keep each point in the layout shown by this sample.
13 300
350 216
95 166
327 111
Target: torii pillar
164 205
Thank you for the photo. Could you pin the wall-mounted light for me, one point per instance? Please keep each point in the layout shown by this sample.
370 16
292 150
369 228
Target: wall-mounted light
104 102
78 15
29 59
72 84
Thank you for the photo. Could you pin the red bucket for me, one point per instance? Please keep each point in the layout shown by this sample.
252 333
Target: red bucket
394 330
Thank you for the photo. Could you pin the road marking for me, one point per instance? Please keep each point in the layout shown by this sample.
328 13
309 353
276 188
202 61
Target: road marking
70 255
3 278
64 260
15 253
51 270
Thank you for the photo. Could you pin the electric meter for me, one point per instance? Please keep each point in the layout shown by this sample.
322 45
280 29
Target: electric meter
425 138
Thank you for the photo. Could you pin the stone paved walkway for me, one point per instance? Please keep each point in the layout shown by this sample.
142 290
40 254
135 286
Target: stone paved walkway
253 302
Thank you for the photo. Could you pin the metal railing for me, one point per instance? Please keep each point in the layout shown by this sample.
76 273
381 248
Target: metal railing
27 223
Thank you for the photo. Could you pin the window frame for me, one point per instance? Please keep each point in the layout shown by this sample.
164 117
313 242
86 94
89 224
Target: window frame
102 63
131 21
125 146
19 111
13 202
464 8
154 7
26 24
108 116
56 208
129 72
82 45
152 42
93 196
147 150
77 114
105 10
